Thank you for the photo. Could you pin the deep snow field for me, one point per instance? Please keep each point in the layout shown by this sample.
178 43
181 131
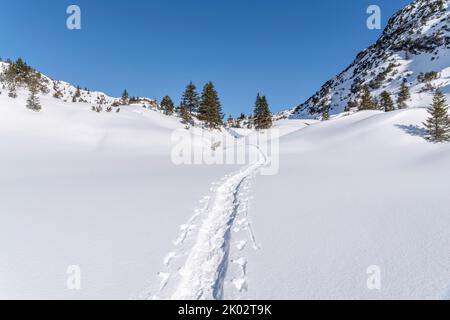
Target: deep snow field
100 191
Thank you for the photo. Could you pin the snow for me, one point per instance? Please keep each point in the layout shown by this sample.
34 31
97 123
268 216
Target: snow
100 191
357 191
370 63
206 266
363 191
95 190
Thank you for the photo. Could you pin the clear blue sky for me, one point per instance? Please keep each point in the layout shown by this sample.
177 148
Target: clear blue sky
284 49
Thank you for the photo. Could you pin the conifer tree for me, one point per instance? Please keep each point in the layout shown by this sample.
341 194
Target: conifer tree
12 93
367 102
325 105
386 102
185 115
250 122
57 94
33 102
262 115
242 117
77 94
257 111
167 105
190 99
266 114
438 124
230 121
125 97
352 104
403 95
210 110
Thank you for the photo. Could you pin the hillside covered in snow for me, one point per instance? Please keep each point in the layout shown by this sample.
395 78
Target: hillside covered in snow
62 90
414 47
100 191
147 206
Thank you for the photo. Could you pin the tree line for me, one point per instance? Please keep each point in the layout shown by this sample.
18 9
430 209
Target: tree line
437 125
20 75
207 108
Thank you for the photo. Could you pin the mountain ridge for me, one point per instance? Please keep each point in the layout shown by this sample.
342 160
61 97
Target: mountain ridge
415 45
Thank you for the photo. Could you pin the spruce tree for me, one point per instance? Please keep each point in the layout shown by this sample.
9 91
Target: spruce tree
403 95
190 99
352 104
230 121
33 100
57 94
167 105
325 106
185 115
240 120
12 93
210 108
367 102
258 111
438 124
266 122
262 114
77 94
125 97
386 102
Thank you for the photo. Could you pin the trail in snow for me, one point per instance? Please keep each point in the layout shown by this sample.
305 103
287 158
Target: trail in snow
202 276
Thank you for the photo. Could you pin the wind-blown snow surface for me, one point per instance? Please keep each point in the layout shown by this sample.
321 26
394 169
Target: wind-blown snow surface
354 192
95 190
100 191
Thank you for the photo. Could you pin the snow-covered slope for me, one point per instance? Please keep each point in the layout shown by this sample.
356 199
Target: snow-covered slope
95 190
65 92
352 193
358 191
100 191
416 41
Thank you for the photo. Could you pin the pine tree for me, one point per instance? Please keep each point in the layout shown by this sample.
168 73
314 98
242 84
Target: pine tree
262 114
250 122
125 97
190 99
267 115
351 105
325 106
33 102
185 115
242 117
230 121
403 95
167 105
367 102
57 94
12 93
386 102
438 124
210 110
77 94
257 113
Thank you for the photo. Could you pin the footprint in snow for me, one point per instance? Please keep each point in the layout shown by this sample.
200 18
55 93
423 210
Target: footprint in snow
164 279
240 284
169 258
240 245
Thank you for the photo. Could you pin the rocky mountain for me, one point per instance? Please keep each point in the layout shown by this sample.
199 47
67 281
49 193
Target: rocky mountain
414 46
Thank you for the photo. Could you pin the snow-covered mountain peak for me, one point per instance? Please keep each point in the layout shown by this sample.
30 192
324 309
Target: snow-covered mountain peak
414 46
